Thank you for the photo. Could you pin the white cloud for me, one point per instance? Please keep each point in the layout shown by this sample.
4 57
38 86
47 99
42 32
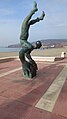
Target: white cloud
61 25
5 11
64 0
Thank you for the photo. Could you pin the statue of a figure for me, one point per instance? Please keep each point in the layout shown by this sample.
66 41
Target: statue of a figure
29 67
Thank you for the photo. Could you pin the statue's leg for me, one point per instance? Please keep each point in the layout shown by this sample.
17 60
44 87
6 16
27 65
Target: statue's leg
26 20
26 65
26 44
26 49
42 16
22 54
25 25
37 19
32 62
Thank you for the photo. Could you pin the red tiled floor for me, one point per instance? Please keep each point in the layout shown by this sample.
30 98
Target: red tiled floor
7 66
38 114
33 96
61 104
14 92
18 109
3 100
54 116
5 115
14 76
18 96
30 93
6 84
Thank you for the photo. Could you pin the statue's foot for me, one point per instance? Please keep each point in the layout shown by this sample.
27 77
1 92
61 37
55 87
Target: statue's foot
35 6
42 16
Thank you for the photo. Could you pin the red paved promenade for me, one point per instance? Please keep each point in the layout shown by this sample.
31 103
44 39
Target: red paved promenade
20 98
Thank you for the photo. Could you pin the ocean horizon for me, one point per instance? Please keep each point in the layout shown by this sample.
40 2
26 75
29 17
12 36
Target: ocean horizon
6 49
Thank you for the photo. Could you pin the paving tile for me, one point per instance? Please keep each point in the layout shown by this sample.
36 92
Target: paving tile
61 104
38 114
3 100
32 86
5 115
21 94
14 91
12 94
14 75
18 109
7 66
39 86
10 84
50 72
2 81
33 96
6 85
48 100
54 116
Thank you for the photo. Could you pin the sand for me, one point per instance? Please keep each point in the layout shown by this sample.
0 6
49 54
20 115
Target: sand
45 52
50 52
8 54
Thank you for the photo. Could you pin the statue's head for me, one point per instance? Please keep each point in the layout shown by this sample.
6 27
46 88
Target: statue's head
38 44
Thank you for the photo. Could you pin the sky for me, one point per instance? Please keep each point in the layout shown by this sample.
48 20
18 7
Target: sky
13 12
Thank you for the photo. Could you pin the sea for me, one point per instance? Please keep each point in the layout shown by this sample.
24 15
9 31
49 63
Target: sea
6 49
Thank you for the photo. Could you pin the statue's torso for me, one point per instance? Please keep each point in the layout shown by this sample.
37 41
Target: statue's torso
24 32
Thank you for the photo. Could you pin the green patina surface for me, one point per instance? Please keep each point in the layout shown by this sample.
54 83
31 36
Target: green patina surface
30 66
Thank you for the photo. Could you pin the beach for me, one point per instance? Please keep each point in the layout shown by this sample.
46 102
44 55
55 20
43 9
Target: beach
50 52
44 52
8 54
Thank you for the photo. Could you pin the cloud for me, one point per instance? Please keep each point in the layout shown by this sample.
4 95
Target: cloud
62 1
65 1
5 11
61 25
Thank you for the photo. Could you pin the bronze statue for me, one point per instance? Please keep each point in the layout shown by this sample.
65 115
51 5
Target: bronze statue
29 67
